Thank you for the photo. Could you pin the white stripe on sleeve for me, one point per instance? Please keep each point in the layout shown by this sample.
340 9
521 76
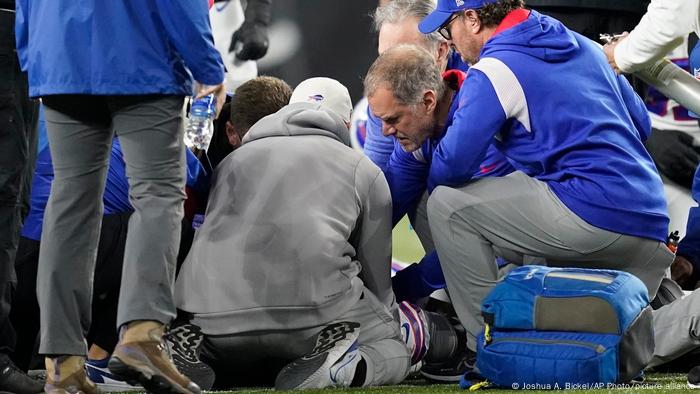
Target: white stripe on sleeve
508 89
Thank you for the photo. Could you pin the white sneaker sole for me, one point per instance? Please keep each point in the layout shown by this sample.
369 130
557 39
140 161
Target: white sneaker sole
314 369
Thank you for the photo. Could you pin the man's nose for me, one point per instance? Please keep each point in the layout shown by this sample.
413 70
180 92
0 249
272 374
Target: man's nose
388 130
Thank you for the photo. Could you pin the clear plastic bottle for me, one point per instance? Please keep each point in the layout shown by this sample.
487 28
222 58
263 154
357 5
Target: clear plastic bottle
200 123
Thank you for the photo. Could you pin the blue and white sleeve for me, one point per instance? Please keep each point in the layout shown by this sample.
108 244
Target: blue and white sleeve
463 148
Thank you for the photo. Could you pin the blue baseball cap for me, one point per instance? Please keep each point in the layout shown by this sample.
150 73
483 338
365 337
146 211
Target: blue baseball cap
444 9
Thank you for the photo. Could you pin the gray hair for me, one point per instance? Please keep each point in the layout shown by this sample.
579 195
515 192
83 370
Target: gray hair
407 71
397 10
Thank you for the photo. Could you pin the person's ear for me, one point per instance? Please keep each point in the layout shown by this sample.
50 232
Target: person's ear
430 100
472 21
443 53
232 136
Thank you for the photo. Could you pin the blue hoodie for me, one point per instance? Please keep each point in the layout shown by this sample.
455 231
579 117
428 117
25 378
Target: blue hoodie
554 107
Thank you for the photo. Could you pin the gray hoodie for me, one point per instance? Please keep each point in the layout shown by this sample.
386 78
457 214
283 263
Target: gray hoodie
297 223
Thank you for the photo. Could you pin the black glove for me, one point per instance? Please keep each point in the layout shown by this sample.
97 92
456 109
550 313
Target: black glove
250 41
674 155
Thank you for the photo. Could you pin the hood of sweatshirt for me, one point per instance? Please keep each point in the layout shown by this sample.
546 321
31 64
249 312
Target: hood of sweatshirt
538 36
300 119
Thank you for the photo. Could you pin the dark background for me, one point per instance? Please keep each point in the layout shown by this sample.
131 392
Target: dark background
321 38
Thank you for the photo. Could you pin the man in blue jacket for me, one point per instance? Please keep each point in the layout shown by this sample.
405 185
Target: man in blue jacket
93 84
585 193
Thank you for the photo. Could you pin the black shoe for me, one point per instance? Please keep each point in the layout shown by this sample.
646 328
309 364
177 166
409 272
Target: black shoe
451 370
184 343
16 381
448 358
639 379
694 378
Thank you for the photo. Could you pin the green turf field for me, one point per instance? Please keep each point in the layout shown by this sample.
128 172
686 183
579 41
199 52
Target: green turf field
656 383
405 246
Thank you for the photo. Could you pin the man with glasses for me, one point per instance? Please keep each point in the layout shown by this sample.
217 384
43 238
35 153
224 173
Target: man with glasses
585 193
444 30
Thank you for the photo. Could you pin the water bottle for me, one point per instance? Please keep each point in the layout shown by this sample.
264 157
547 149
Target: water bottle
200 125
674 82
672 241
669 79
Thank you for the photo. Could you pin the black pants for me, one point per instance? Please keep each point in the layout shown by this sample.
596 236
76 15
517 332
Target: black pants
105 296
18 122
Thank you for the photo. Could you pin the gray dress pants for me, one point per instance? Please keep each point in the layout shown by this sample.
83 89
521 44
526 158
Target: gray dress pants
80 130
516 216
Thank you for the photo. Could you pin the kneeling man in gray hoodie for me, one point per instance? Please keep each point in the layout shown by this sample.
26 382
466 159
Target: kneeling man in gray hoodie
289 276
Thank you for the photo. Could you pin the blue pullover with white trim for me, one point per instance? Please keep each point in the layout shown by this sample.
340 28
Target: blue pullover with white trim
547 99
555 108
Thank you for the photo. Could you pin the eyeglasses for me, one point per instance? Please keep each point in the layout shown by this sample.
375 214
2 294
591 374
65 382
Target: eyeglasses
444 30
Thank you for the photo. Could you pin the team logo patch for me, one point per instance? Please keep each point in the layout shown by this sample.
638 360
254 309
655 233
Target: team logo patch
316 97
459 3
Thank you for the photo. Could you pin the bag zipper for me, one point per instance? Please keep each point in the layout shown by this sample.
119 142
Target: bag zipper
597 348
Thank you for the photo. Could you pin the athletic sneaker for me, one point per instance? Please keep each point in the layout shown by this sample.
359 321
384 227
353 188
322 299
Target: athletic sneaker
184 343
449 357
639 379
98 372
14 380
694 377
452 370
332 362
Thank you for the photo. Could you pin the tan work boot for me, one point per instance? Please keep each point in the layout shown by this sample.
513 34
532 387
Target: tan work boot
141 357
66 375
